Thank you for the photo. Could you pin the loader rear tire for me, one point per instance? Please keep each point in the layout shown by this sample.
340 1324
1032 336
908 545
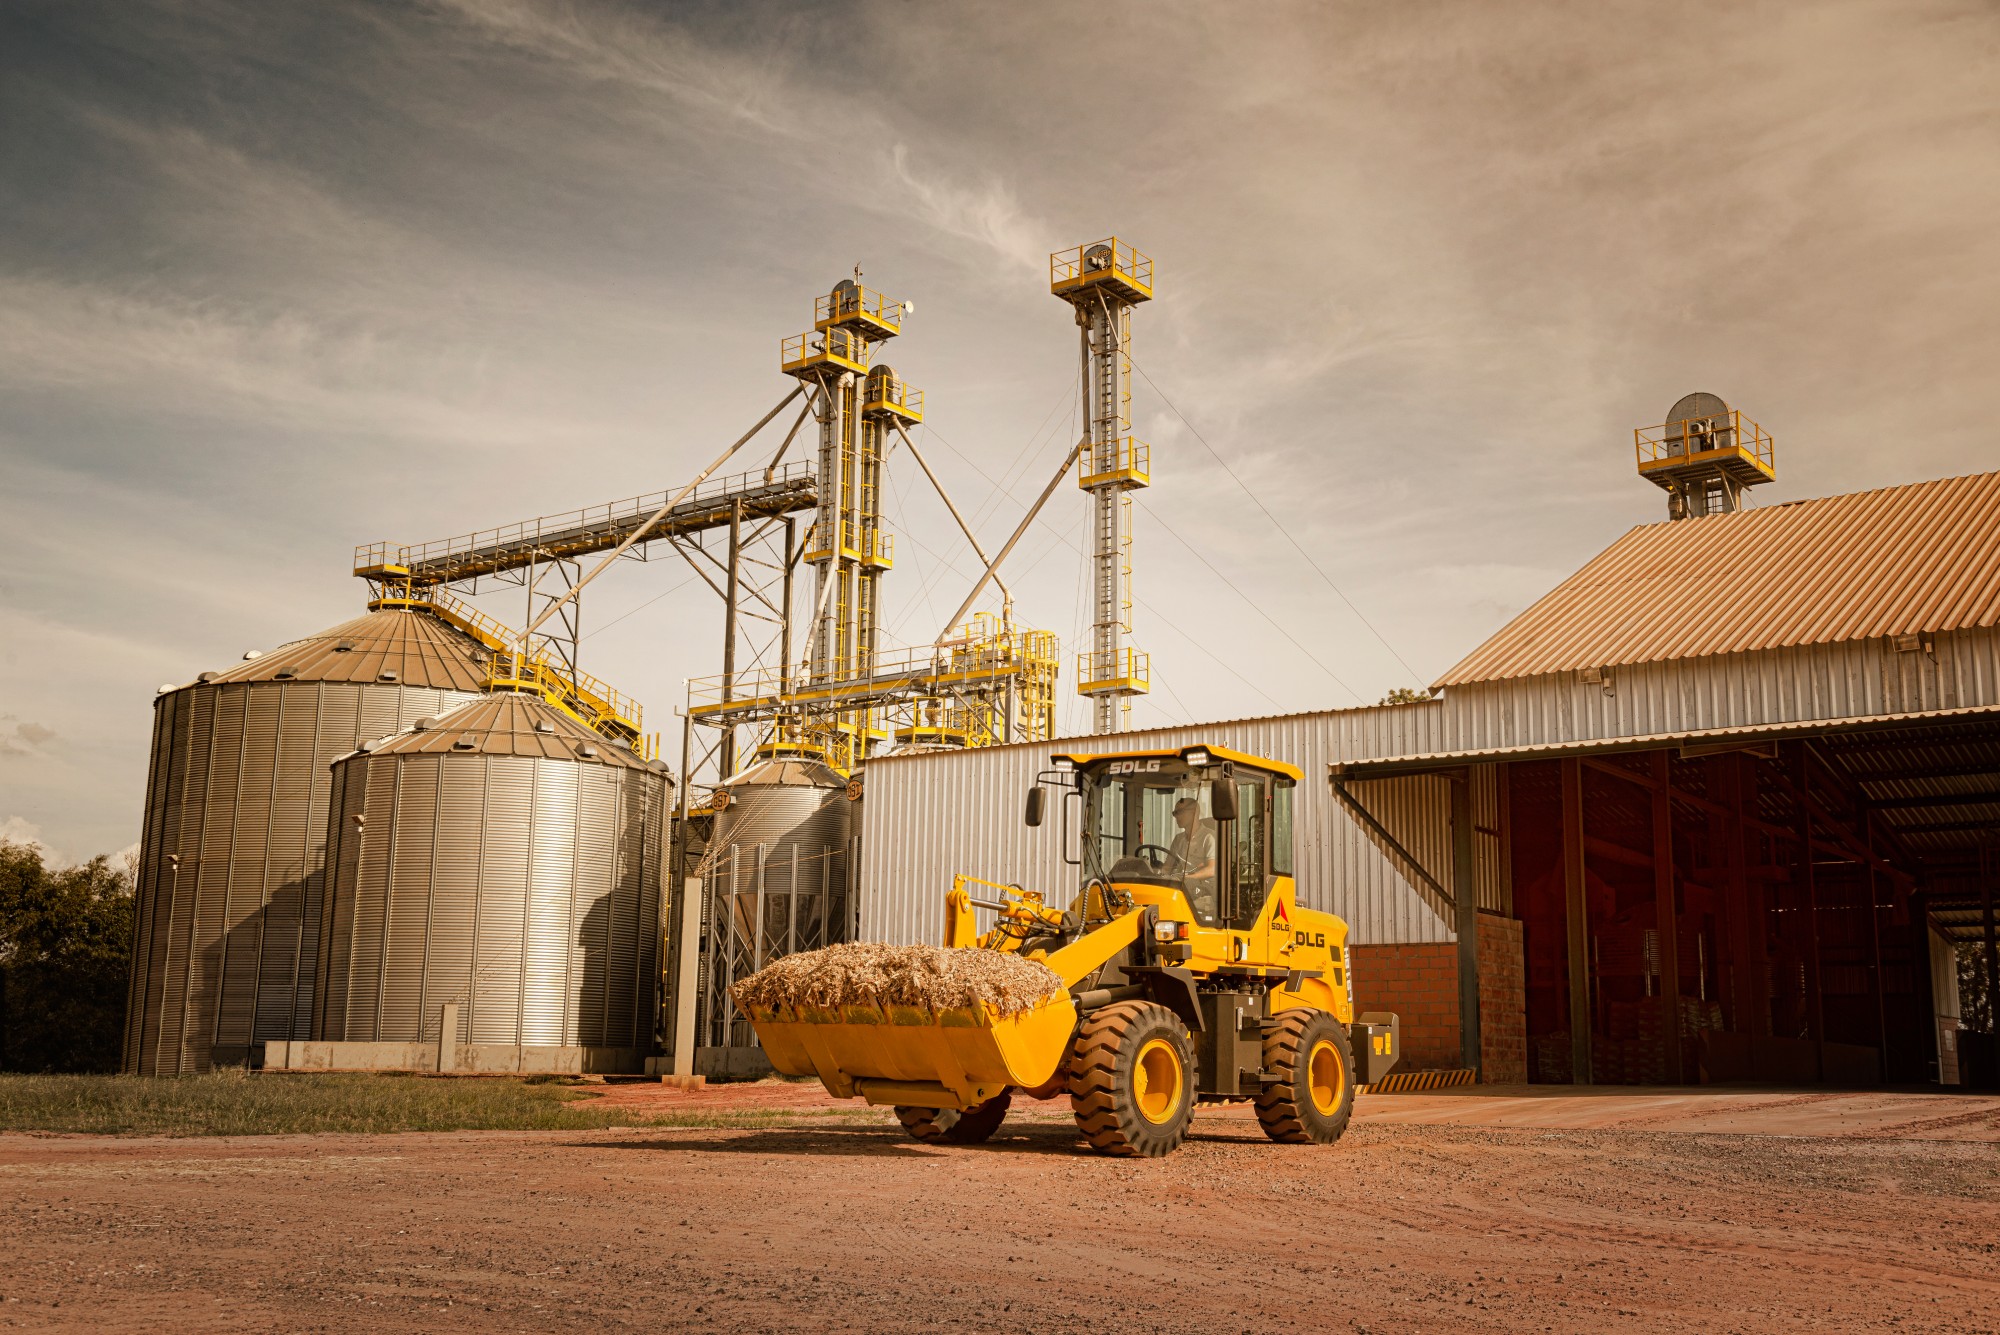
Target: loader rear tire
1308 1079
1132 1080
949 1126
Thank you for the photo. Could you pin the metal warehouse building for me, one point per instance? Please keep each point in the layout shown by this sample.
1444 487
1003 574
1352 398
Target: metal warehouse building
1716 808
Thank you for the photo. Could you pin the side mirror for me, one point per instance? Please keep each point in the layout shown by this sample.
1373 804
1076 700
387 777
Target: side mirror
1222 799
1035 797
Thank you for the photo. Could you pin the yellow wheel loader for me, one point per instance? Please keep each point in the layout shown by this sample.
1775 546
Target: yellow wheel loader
1190 974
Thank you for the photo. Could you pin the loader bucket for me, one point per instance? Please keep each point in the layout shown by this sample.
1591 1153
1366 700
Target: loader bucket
916 1056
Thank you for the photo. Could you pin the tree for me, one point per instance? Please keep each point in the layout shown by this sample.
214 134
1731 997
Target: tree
65 951
1404 695
1975 1007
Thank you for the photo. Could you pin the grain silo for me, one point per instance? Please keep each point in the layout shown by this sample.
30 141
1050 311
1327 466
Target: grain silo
500 866
231 857
774 880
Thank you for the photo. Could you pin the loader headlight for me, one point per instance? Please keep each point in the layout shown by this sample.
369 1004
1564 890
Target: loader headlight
1196 756
1166 932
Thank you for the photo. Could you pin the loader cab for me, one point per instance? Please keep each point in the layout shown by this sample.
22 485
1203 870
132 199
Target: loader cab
1136 828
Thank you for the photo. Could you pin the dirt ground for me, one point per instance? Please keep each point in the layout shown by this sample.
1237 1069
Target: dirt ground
1479 1210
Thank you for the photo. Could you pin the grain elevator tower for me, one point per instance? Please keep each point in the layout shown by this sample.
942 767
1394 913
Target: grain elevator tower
1103 281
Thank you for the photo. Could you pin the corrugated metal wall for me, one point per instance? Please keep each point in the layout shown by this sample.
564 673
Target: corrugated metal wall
1852 679
928 817
525 890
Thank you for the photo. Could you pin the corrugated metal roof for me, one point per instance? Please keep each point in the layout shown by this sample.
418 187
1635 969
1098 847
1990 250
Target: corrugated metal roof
392 647
1900 561
510 725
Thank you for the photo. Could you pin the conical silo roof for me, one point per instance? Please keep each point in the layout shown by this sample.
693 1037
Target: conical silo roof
391 647
511 724
788 772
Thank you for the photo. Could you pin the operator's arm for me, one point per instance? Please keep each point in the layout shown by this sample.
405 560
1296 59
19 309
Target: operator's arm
1207 847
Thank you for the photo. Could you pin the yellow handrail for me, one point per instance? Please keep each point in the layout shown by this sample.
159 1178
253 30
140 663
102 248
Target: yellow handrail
1068 266
593 528
1700 435
594 703
862 301
835 346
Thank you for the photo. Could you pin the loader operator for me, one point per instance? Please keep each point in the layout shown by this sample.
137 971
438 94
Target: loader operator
1192 856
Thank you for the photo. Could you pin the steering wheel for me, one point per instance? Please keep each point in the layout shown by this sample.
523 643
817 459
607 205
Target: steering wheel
1159 863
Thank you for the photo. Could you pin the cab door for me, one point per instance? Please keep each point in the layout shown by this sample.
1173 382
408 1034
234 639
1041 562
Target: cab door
1276 933
1245 873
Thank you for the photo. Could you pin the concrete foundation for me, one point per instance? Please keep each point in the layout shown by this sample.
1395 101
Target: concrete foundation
461 1058
732 1063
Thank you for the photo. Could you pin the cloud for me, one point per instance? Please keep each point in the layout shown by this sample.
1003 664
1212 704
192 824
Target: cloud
210 358
18 830
987 214
610 45
789 98
23 738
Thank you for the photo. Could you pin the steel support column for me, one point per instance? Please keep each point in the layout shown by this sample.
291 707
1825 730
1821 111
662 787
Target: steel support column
1466 893
726 763
1815 990
1666 890
1989 870
1574 896
686 941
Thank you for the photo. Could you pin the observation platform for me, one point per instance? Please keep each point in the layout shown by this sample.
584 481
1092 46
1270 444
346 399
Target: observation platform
1726 444
884 396
861 310
1109 265
815 351
898 676
1129 465
871 551
1126 672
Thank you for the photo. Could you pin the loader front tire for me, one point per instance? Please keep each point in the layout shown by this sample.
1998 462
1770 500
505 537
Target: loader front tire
1308 1079
1132 1080
949 1126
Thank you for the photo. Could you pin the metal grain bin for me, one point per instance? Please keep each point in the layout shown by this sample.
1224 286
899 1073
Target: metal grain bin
231 855
774 881
504 860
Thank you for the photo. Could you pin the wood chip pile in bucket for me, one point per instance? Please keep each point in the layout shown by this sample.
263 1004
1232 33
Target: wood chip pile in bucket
869 973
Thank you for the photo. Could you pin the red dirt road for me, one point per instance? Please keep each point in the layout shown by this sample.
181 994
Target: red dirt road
1477 1211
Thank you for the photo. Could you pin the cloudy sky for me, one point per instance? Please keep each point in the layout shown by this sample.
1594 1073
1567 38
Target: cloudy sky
279 279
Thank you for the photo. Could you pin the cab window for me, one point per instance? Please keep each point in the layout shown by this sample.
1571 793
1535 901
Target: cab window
1244 875
1281 829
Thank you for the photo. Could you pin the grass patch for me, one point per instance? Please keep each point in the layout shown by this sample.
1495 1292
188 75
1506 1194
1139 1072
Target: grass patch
236 1103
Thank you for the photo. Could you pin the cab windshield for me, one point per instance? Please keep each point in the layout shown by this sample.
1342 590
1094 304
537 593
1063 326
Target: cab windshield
1150 821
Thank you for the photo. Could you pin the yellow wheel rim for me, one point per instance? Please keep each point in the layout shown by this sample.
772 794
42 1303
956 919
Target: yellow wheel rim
1156 1081
1325 1077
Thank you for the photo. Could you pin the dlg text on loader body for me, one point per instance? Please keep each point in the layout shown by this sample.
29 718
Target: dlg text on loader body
1191 974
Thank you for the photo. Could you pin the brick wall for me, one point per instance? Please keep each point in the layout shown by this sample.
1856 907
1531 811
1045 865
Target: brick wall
1503 1002
1420 983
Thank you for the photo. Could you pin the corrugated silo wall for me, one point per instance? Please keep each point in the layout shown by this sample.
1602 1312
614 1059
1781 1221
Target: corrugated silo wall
225 937
930 816
526 890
